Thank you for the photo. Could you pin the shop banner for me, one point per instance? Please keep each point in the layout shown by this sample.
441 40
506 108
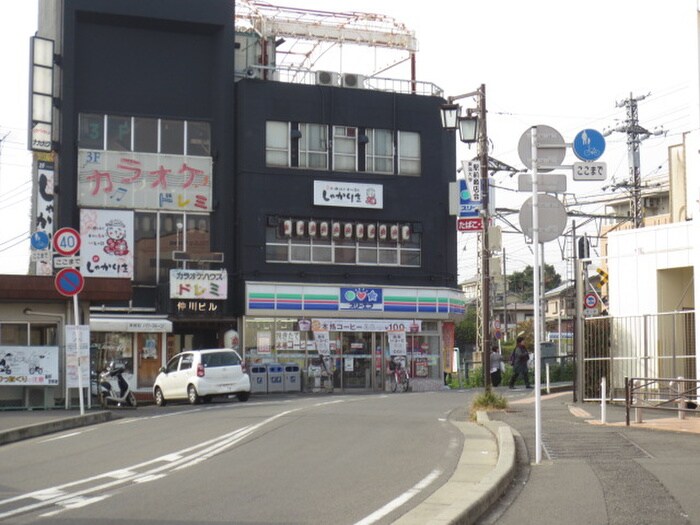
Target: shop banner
28 365
198 284
397 342
348 194
366 325
107 247
77 344
322 341
153 181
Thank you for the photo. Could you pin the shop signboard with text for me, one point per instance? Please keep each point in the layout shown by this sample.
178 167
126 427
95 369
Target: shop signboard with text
107 248
153 181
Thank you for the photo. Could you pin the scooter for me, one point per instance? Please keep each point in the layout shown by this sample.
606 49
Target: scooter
108 393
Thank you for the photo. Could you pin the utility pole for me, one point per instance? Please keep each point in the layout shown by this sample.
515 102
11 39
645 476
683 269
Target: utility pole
635 134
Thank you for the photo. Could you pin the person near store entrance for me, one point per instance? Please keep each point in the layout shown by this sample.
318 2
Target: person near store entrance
496 366
519 359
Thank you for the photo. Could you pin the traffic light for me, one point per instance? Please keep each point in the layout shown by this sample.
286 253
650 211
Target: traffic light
603 276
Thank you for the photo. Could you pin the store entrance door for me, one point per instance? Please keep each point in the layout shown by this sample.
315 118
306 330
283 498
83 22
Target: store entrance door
356 361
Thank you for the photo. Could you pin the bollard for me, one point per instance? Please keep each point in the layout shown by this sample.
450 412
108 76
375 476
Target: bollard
603 405
681 399
637 411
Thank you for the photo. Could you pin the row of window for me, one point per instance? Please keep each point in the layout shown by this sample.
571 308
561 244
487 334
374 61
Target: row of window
345 243
144 135
342 148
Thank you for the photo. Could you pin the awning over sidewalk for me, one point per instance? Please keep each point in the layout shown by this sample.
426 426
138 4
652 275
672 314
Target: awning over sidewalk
130 323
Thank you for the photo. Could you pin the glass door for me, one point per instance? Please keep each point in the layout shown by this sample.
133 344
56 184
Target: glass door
357 363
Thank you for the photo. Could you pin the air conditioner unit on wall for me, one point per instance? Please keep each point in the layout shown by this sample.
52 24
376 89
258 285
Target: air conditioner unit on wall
353 80
327 78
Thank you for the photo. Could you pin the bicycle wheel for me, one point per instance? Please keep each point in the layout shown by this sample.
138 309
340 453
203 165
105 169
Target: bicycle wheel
404 382
394 382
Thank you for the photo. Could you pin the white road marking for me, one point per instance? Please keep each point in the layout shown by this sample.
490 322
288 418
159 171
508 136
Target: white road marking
401 499
159 467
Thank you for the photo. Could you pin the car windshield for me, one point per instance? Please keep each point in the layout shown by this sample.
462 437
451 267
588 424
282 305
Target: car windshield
220 359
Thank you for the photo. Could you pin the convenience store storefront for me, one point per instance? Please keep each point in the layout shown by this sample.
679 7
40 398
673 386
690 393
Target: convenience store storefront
352 332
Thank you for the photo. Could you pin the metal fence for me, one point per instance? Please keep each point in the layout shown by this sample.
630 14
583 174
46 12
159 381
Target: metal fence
650 346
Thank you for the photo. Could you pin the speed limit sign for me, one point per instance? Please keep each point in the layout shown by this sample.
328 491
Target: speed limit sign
66 241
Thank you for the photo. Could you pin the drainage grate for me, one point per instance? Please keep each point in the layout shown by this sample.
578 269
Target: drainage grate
582 445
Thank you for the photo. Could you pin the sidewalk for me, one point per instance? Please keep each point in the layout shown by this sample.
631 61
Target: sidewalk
17 425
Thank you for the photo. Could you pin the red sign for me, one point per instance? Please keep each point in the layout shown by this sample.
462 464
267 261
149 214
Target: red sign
66 241
69 282
470 224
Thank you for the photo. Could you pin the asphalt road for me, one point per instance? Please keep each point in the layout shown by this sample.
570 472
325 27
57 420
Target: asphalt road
324 460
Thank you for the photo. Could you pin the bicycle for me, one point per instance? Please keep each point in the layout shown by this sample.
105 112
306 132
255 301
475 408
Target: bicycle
399 379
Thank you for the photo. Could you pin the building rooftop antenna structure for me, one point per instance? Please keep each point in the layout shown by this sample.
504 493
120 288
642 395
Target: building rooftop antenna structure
302 37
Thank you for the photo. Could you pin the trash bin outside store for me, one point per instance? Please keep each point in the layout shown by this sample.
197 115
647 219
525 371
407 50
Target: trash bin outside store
292 377
258 378
275 377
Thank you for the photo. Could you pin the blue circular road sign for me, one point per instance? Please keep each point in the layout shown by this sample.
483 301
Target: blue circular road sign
39 240
69 282
589 145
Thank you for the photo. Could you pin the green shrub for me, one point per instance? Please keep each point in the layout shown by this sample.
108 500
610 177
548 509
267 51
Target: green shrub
487 401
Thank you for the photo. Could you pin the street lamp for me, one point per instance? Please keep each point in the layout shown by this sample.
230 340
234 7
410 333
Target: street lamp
472 128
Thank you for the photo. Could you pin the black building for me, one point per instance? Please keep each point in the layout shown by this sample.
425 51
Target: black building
290 219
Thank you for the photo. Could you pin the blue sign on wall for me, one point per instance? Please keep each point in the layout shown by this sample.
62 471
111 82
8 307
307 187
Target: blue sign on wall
589 145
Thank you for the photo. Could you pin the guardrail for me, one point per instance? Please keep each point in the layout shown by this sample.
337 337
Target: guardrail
679 395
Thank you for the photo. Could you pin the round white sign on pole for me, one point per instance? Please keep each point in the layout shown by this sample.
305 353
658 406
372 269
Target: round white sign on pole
551 148
551 217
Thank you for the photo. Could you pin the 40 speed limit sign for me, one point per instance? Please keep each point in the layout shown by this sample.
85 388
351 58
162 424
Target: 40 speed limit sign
66 241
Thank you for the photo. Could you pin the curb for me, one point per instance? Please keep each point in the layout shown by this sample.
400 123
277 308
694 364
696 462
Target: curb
492 486
49 427
477 483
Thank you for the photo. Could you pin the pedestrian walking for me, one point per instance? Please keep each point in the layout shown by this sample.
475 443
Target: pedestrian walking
519 359
496 366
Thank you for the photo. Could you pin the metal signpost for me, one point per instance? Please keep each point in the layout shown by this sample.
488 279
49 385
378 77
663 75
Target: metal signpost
543 149
70 282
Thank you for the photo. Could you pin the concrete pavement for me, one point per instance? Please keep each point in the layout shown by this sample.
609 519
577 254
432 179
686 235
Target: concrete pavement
496 480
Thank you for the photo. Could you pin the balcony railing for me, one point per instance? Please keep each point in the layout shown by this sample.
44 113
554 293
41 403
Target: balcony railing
307 76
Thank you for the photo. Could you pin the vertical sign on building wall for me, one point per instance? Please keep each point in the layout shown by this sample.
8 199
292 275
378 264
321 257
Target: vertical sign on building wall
44 209
107 243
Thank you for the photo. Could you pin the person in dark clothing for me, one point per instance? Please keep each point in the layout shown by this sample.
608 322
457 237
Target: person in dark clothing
519 359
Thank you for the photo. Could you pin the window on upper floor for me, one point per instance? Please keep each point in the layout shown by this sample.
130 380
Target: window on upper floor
144 135
351 149
158 234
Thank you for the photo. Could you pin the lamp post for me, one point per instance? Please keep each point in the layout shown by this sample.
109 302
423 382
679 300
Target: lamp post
472 128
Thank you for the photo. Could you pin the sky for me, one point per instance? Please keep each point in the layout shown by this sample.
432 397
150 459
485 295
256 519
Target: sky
544 62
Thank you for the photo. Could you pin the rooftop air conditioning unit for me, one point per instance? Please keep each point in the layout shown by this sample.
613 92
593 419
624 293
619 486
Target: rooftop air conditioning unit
353 80
327 78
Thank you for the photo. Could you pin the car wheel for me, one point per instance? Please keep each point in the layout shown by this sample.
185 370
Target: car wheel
192 395
243 396
159 398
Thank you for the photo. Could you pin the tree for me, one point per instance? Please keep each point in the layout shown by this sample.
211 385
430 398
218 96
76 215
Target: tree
465 330
521 282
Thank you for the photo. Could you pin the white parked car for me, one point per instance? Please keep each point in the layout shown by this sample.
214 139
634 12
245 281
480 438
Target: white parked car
199 375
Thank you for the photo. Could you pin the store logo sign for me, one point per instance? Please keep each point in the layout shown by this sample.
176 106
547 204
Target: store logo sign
361 298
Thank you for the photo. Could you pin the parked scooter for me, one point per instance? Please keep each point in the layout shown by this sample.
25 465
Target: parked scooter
108 394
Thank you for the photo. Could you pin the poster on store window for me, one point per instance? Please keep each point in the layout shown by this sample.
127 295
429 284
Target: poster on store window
397 342
264 343
107 248
322 342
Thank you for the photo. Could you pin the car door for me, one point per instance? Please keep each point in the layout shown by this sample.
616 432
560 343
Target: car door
169 379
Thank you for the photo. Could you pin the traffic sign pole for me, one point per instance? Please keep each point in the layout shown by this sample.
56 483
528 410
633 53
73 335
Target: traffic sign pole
536 300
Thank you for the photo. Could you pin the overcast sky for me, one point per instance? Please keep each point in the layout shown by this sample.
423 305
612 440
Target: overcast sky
559 63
